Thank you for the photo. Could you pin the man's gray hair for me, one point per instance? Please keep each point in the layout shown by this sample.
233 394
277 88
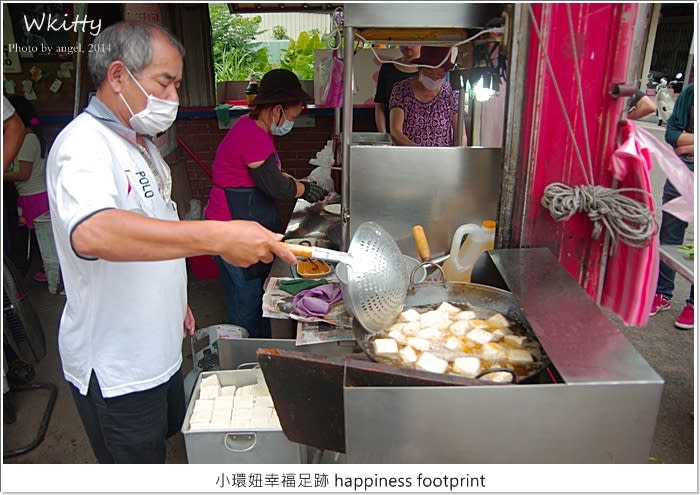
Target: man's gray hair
129 42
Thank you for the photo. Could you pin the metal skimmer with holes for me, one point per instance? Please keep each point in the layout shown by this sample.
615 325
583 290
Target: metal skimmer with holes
377 280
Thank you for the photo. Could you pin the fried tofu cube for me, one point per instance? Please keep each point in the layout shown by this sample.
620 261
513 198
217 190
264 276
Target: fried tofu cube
396 327
519 356
492 352
465 315
460 327
408 355
412 328
468 366
429 333
418 344
453 343
409 315
515 340
498 321
385 346
499 333
476 323
480 336
429 362
446 307
397 336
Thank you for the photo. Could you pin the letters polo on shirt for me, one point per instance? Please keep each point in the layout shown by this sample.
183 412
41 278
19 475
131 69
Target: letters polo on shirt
122 320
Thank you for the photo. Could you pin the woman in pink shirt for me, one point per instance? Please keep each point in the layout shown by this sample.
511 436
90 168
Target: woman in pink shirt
247 179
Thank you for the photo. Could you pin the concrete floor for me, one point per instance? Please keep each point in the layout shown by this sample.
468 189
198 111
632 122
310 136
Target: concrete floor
669 351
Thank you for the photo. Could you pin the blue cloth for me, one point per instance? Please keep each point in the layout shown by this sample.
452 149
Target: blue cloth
243 296
672 231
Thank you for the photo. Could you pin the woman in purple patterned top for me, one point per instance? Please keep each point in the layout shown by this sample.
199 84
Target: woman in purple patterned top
423 109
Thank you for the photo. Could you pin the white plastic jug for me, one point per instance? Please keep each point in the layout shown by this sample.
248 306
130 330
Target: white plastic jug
458 267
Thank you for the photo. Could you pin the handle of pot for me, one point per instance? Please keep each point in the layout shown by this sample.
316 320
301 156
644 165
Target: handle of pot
421 242
317 253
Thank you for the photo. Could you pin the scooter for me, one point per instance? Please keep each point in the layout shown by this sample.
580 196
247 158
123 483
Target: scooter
664 101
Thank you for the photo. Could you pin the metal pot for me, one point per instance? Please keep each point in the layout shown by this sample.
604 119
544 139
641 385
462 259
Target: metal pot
464 294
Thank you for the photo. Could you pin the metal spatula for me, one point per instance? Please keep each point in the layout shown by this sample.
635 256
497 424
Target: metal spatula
377 281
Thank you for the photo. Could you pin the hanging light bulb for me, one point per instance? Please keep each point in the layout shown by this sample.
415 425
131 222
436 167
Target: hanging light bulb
483 91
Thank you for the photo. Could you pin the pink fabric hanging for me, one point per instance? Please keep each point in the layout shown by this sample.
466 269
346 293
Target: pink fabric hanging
631 275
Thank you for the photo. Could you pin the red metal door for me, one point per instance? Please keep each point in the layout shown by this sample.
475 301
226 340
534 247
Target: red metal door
602 40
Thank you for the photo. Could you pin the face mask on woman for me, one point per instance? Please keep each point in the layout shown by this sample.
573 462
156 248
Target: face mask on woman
158 115
281 130
430 84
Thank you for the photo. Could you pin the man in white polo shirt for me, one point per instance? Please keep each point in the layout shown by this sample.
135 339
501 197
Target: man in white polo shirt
122 248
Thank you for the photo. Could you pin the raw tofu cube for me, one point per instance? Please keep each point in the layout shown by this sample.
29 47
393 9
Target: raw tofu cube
429 333
409 315
418 344
499 333
498 321
398 336
464 315
453 343
228 390
492 352
408 355
246 390
242 412
480 336
210 380
385 346
469 366
209 392
223 401
221 417
446 307
243 402
411 329
238 423
203 405
201 417
264 402
519 356
429 362
199 426
515 340
460 327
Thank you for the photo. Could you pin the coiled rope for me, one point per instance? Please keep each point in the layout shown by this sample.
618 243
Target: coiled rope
626 219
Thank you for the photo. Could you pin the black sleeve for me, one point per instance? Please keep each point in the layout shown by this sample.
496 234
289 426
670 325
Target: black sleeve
270 180
380 96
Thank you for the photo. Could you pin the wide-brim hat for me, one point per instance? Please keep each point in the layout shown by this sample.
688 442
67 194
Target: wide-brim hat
434 56
279 86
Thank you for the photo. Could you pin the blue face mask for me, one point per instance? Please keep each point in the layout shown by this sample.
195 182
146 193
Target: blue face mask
281 130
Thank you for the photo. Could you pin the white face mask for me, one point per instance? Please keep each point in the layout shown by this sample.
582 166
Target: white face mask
158 115
430 84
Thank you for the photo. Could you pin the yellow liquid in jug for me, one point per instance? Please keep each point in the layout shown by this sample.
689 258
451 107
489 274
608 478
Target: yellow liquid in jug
460 269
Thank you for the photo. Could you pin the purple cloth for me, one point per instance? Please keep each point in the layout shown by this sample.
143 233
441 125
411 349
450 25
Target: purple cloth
426 124
317 301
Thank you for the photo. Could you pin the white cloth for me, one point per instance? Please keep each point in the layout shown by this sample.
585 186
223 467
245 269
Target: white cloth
124 320
31 152
7 109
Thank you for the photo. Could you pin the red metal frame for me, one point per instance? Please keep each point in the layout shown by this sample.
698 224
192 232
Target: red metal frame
603 36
